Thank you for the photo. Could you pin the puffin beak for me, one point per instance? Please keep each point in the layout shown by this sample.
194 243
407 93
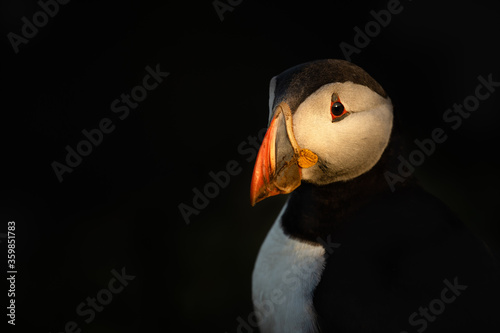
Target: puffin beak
278 168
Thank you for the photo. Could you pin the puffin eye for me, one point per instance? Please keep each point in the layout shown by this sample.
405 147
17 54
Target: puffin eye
337 109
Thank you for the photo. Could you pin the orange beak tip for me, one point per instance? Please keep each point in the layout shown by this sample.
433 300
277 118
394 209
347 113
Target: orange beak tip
263 172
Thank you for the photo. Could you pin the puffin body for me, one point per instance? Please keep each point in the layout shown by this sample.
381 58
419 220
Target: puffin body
346 253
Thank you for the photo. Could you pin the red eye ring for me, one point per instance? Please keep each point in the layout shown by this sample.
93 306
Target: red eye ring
337 109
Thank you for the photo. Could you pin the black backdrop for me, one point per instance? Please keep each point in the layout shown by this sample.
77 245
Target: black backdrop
119 207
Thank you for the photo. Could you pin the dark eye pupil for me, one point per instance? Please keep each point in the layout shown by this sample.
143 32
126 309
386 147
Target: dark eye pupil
337 108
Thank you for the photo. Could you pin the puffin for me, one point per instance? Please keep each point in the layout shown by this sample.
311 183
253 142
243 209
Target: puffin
348 252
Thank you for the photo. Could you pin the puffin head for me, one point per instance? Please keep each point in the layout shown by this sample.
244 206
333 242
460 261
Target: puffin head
329 121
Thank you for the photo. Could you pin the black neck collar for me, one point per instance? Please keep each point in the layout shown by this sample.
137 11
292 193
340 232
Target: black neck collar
319 210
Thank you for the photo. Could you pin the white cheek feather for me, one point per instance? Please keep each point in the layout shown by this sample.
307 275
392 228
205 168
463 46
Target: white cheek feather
284 278
350 147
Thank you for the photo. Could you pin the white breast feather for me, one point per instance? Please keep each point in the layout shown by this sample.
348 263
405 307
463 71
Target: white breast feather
285 275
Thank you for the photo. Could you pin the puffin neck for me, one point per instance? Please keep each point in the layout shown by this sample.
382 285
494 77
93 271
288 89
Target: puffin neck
316 211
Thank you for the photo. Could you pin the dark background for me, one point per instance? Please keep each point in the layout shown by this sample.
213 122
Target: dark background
119 207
